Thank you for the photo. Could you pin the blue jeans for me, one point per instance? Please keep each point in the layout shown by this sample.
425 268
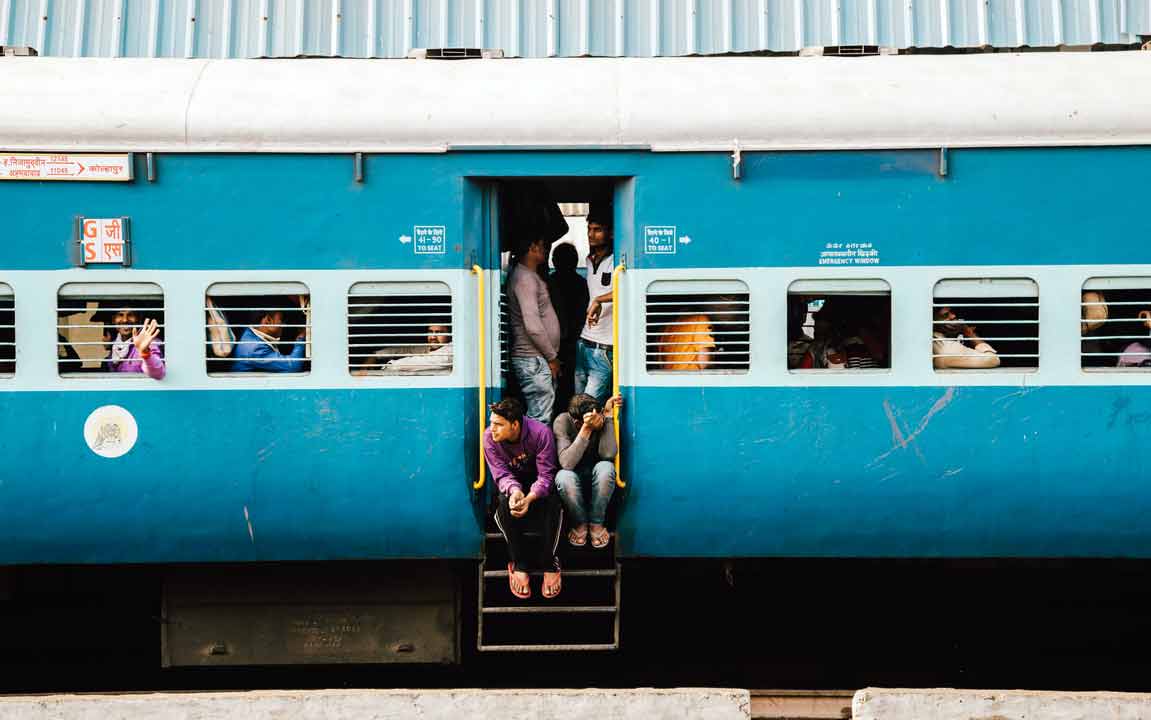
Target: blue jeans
593 371
538 386
571 490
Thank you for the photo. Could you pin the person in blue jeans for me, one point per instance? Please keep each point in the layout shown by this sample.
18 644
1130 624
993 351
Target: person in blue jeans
586 446
593 371
535 332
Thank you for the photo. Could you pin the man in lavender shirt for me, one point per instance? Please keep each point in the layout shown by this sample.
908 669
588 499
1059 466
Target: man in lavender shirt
135 347
521 454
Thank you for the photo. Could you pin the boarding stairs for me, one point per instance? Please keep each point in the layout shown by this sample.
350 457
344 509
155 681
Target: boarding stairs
584 617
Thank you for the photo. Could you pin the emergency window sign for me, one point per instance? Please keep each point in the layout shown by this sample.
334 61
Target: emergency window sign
103 241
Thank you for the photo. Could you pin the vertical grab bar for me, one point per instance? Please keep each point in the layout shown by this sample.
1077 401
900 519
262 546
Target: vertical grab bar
615 314
483 378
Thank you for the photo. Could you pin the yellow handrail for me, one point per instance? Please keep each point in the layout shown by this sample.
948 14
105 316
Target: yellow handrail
615 315
483 366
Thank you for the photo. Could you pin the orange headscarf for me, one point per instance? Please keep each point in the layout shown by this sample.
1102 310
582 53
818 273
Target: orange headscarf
687 344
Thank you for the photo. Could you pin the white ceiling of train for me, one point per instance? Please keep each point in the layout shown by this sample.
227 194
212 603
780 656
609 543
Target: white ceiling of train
544 28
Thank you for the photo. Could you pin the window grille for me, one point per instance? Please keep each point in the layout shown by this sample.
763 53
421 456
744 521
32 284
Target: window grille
985 323
258 328
400 328
838 325
505 337
1115 324
698 327
7 331
95 323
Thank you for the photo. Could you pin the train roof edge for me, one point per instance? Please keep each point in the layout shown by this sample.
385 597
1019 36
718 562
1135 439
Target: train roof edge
663 104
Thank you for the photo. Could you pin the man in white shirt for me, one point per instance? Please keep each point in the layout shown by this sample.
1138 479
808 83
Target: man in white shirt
593 371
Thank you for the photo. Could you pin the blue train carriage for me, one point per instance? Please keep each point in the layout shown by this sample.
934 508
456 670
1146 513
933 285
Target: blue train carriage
811 246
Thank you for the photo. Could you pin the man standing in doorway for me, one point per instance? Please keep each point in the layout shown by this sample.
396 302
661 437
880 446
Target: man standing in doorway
535 332
593 374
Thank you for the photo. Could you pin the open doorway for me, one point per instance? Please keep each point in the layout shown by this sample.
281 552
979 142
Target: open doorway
556 213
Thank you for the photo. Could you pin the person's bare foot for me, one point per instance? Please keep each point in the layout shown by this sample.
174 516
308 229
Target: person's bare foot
519 583
600 537
553 582
577 536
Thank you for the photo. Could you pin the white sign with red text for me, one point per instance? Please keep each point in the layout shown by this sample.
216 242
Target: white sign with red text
47 166
103 239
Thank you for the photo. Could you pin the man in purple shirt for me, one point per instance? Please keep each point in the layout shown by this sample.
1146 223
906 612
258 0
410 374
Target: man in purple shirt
135 348
521 454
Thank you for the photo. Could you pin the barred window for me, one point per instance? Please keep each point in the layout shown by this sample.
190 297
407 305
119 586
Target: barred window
258 328
841 325
97 322
1115 324
985 323
698 326
7 331
505 336
400 328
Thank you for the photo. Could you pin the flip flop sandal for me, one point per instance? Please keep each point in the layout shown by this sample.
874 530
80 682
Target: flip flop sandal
558 586
600 539
512 584
576 538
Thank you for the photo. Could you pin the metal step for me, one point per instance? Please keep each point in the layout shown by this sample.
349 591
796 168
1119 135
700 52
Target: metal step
548 648
544 627
566 573
532 533
503 609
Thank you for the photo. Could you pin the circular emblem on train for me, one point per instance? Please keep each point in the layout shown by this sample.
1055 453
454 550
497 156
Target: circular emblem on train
110 431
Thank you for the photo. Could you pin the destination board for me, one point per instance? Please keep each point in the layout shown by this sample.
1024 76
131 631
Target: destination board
49 166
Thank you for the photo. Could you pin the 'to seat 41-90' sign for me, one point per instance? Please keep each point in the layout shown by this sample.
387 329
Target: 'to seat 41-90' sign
53 166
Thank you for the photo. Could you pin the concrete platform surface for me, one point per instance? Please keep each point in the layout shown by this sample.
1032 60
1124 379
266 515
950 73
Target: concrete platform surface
945 704
631 704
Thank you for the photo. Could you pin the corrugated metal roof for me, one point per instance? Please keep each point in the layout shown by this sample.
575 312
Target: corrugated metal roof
544 28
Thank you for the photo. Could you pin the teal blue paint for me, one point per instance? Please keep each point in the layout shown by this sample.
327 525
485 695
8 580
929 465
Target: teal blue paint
888 472
324 475
996 206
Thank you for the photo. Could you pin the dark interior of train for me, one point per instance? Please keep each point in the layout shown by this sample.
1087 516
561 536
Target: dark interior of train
7 334
1116 328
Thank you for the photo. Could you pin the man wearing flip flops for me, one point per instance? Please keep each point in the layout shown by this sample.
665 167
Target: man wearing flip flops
521 454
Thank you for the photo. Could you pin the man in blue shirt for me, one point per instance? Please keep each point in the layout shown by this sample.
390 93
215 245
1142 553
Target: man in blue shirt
257 349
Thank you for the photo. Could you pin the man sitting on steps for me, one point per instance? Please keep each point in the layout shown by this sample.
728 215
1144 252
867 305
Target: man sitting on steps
521 454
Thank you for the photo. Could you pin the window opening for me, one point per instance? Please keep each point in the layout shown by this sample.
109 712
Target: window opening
698 327
838 325
258 328
400 328
96 324
985 323
7 331
1115 324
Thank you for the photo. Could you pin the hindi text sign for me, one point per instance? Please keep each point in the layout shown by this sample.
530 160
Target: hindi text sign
659 239
104 241
430 239
48 166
